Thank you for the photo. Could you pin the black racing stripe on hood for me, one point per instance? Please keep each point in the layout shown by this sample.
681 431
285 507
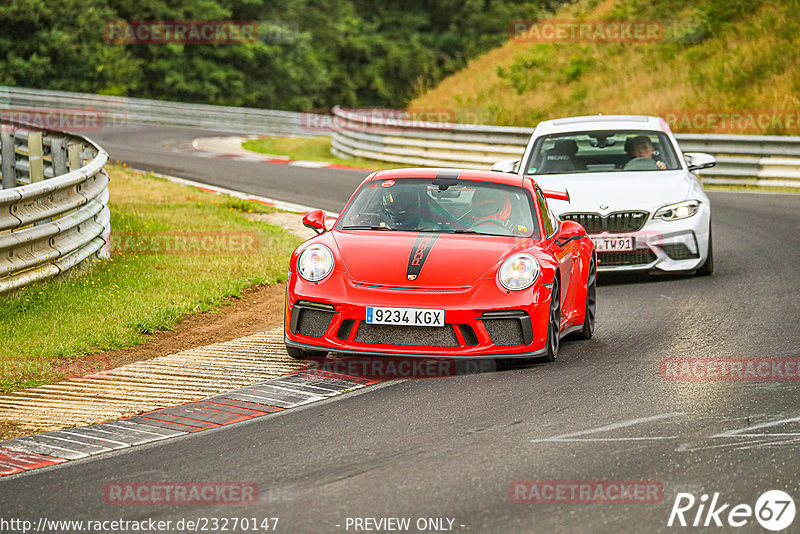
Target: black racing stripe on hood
419 253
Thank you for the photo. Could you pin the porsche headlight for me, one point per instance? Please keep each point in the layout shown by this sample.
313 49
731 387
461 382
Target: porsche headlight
681 210
518 272
315 263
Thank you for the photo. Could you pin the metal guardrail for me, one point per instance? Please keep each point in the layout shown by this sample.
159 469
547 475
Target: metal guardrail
100 111
741 159
53 205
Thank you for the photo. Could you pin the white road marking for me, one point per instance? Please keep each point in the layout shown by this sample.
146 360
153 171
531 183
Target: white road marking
614 426
767 444
741 432
754 442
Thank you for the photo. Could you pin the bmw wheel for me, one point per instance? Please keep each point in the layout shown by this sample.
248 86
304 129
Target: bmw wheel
708 266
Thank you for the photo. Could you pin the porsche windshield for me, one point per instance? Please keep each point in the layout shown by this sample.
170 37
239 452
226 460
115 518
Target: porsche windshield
602 151
414 205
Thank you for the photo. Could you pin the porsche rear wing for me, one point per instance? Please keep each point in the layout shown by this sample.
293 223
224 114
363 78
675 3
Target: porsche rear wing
557 195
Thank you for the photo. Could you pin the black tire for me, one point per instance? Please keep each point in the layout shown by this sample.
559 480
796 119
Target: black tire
591 303
553 324
300 354
708 266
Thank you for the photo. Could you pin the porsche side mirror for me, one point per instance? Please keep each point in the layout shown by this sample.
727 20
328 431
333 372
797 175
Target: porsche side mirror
506 165
699 160
571 229
315 220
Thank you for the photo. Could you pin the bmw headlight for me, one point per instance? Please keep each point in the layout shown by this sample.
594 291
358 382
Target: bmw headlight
315 263
518 272
681 210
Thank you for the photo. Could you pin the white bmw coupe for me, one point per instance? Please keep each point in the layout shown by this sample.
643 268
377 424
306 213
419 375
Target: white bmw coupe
630 186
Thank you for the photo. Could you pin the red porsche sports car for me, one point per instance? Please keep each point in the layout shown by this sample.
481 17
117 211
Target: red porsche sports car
441 262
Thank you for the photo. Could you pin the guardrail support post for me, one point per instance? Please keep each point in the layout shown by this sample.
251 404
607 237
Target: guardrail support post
9 173
35 156
74 156
58 152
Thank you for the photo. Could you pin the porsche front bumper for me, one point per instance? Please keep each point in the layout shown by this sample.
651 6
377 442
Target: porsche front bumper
480 321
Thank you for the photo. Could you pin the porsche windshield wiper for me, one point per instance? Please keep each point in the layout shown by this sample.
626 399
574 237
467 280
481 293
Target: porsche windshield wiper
365 227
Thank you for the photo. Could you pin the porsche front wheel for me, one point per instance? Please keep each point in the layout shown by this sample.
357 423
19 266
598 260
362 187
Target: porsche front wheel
591 303
554 323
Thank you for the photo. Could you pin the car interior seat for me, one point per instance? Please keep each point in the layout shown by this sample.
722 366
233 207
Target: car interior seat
561 158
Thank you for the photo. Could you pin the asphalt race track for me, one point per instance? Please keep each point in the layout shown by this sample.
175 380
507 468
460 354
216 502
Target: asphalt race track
157 148
451 448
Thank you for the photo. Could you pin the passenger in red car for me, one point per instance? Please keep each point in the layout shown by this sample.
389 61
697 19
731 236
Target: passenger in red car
491 206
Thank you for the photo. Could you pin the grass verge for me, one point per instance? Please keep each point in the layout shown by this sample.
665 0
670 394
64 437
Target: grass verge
312 149
175 251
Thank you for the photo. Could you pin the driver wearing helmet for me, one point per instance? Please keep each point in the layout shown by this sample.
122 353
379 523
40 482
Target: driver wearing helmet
491 207
401 208
405 210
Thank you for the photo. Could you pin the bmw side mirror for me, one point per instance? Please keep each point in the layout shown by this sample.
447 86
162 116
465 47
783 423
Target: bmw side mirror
506 165
315 220
699 160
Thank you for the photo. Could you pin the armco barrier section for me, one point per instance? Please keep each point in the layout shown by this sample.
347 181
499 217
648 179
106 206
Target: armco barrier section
741 159
91 112
53 205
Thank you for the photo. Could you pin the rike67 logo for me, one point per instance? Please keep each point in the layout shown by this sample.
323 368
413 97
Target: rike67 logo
774 510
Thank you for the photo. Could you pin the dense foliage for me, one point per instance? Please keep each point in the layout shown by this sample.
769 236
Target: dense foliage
716 60
309 54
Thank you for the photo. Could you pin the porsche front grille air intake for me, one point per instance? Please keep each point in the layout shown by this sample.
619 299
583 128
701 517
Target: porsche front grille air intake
406 335
311 318
508 327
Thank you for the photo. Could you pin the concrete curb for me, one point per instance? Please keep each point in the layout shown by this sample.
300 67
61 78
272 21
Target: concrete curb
231 148
278 204
187 392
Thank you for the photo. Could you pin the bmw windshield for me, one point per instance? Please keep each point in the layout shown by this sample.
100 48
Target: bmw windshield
471 207
601 151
